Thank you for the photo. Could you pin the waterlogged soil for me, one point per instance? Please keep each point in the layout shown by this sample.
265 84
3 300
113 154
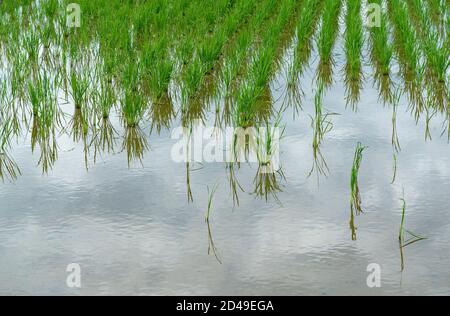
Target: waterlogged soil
138 227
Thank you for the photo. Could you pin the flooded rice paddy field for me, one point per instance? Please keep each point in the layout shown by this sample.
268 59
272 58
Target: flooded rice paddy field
86 149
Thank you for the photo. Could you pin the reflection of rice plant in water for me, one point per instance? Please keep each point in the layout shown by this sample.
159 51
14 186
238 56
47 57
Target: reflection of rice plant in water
8 167
211 245
413 238
355 198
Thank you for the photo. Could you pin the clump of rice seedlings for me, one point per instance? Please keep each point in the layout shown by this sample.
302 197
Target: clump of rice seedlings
8 167
133 106
321 125
354 41
413 238
79 84
326 40
211 245
355 199
158 68
105 99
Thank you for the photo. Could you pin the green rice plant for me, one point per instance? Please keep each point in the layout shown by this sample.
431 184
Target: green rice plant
79 84
326 40
437 54
355 199
354 42
235 63
261 71
105 99
405 39
133 108
305 30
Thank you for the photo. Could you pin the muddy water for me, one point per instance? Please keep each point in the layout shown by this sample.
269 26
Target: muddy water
133 229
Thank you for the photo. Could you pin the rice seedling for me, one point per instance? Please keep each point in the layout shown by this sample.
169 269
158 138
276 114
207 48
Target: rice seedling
211 245
354 41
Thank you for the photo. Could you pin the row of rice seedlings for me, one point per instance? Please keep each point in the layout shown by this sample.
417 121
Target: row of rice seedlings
354 42
236 63
210 50
437 13
253 99
326 40
381 55
437 54
407 53
355 197
306 27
